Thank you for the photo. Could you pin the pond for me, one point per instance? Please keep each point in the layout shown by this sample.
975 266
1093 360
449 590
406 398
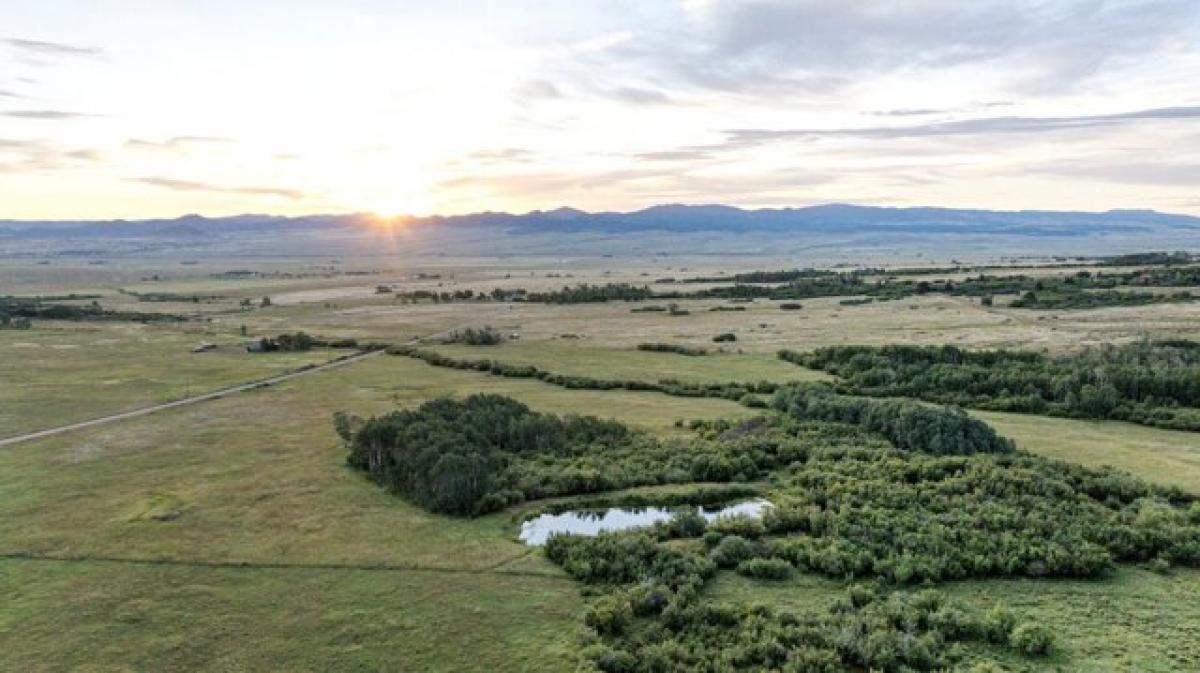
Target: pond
591 522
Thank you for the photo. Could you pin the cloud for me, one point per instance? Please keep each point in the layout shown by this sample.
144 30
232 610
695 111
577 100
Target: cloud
44 114
503 155
193 186
646 185
909 112
538 89
175 143
636 96
801 47
976 126
12 143
675 155
19 155
9 94
602 42
40 48
1122 170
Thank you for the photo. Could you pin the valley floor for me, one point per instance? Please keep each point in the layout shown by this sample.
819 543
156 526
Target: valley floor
231 535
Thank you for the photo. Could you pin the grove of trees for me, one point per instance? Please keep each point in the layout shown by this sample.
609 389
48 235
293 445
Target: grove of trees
1149 382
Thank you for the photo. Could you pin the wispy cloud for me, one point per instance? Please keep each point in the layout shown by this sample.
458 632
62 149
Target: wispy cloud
502 155
42 48
1123 170
976 126
538 89
21 155
674 155
175 143
797 48
638 96
909 112
49 115
195 186
9 94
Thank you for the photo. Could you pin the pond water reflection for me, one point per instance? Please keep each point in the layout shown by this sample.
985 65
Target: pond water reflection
595 521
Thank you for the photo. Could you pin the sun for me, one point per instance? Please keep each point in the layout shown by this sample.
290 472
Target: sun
398 206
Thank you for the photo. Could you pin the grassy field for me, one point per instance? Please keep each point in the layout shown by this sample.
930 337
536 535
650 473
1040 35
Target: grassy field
65 372
231 536
259 479
634 365
104 616
1134 621
1162 456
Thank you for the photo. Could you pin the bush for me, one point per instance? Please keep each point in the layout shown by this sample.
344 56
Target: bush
998 625
791 306
484 336
765 568
671 348
732 550
609 615
687 523
725 337
1032 640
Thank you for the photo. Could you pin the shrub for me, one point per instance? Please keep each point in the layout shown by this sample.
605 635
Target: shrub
609 615
998 625
725 337
687 523
765 568
732 550
484 336
1032 640
791 306
649 599
672 348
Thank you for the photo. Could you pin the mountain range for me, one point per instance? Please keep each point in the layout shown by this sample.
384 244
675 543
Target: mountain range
748 230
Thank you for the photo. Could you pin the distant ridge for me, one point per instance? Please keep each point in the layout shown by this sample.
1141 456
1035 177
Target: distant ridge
832 218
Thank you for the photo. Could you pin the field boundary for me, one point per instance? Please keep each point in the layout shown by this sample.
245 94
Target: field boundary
283 565
212 395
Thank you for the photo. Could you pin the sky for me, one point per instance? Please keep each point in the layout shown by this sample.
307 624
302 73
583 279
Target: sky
146 108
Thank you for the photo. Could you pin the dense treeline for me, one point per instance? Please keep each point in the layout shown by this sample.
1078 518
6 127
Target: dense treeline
1152 383
585 293
453 456
471 336
1148 258
651 616
849 503
302 341
744 391
784 276
37 308
906 424
1101 299
1069 291
672 348
849 506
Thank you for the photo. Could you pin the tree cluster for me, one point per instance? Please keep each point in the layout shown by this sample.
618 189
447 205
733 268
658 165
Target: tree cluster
42 308
471 336
1149 382
672 348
